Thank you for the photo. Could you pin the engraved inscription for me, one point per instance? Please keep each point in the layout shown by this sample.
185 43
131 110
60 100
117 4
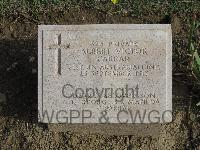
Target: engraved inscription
116 69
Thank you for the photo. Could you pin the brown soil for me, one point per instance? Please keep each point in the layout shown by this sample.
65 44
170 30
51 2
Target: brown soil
18 81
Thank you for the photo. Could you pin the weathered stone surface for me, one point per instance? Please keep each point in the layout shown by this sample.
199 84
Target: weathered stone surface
84 70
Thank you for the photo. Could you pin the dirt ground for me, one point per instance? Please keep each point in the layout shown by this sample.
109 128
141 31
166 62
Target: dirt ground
18 82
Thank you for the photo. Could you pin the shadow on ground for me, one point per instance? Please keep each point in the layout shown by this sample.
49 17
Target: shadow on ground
18 78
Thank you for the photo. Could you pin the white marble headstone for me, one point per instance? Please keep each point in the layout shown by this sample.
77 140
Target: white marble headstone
105 73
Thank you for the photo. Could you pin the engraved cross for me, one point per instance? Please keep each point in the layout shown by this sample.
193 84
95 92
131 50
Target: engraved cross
58 46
